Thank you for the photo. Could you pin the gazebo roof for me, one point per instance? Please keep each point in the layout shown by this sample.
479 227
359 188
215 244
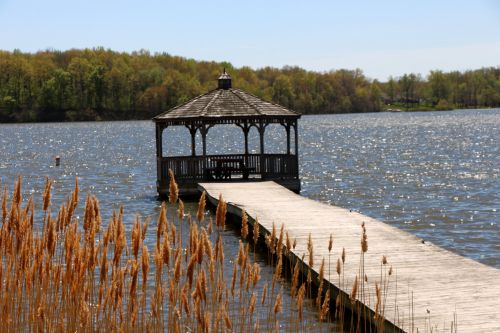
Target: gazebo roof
225 103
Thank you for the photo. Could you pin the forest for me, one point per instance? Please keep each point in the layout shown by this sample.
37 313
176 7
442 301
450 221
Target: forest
101 84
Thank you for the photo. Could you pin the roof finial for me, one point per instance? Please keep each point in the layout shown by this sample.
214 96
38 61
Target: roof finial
224 80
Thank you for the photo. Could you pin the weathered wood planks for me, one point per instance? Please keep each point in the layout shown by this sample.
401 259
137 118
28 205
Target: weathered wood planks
439 283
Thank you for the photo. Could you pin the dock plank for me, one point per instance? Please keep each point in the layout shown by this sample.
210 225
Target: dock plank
441 283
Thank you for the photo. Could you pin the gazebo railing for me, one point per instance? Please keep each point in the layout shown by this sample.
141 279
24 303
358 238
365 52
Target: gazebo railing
194 168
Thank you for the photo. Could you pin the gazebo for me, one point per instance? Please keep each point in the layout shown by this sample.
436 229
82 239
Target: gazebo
227 106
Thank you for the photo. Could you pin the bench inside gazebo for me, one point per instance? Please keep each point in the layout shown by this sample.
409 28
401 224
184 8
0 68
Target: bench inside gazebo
229 107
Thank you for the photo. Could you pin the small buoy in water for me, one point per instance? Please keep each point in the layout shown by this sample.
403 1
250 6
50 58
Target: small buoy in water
58 160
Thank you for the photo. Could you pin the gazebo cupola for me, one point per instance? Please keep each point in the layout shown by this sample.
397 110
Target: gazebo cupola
224 81
227 106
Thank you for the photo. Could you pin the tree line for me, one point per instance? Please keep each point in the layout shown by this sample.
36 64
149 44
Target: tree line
101 84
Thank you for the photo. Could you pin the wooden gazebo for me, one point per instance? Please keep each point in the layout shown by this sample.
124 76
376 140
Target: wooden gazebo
227 106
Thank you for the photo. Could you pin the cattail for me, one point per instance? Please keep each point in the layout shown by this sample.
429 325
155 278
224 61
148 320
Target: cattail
278 305
272 239
16 196
210 225
145 266
384 260
145 226
200 215
279 244
46 194
310 248
233 279
171 291
200 249
390 271
190 269
339 269
251 308
241 254
379 299
264 292
177 267
320 281
75 192
51 236
255 274
267 239
354 290
203 284
343 255
321 274
325 307
173 189
119 238
136 237
220 214
104 265
330 243
162 222
134 273
184 301
364 239
219 250
294 244
277 272
180 210
256 328
256 231
288 244
338 303
4 204
295 278
227 320
300 299
244 224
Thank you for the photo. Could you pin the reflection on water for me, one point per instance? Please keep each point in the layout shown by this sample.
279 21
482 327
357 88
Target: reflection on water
434 174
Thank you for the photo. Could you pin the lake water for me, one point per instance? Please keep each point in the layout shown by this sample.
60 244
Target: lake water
433 174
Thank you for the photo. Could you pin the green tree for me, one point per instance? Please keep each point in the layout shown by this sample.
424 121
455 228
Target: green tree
439 85
282 91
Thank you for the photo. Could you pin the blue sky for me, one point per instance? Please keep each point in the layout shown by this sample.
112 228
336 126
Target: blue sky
381 37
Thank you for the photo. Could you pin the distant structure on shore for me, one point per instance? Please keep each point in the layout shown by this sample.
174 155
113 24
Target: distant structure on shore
227 106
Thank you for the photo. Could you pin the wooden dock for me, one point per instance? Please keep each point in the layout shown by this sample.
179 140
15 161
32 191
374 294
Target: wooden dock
436 285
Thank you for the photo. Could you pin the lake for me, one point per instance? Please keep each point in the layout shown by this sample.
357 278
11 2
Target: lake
433 174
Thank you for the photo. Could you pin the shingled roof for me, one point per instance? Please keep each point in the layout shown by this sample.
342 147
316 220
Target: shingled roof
225 102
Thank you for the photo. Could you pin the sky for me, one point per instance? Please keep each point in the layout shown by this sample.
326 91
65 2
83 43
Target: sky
382 37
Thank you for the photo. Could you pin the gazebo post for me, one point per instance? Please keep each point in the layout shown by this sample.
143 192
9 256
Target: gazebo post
159 136
192 129
287 127
159 154
203 131
296 130
245 133
262 129
245 128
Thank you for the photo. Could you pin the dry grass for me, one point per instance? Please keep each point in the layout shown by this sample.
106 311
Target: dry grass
62 275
